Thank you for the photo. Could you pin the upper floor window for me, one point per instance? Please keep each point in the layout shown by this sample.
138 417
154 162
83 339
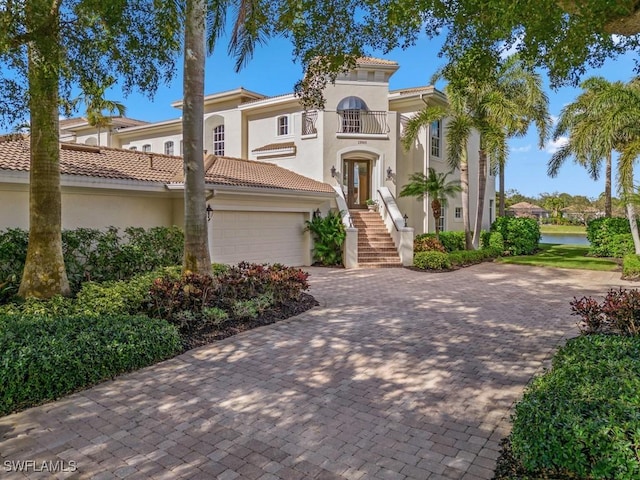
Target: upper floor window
181 147
146 148
218 140
283 125
133 148
350 110
168 148
442 223
436 138
457 214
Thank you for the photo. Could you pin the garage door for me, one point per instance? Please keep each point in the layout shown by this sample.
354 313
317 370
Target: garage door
261 237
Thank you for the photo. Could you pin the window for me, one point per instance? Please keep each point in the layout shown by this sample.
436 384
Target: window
350 110
218 140
441 220
435 138
181 147
133 148
457 214
351 121
168 148
491 211
146 148
283 125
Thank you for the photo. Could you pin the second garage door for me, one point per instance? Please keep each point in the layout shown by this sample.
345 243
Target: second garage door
261 237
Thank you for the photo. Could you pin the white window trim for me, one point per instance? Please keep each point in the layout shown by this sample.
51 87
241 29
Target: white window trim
223 141
289 126
455 216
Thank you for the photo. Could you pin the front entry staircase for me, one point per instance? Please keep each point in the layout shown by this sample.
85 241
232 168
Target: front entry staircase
375 245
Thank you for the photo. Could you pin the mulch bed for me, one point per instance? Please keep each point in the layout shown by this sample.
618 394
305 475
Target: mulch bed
209 333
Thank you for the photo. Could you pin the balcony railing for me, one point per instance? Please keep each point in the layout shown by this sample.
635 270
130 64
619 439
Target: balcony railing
309 122
361 121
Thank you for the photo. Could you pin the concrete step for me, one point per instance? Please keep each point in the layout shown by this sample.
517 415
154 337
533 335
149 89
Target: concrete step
379 265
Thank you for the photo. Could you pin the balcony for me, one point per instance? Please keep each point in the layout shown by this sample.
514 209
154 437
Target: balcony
309 123
362 123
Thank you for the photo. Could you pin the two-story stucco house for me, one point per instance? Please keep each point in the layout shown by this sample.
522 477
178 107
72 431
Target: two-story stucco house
353 144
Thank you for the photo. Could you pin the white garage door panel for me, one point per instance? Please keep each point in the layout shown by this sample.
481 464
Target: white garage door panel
262 237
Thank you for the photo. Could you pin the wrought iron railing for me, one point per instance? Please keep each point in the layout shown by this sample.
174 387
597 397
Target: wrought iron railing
361 121
309 122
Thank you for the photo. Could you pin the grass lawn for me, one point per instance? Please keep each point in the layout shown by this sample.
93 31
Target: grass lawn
563 256
575 229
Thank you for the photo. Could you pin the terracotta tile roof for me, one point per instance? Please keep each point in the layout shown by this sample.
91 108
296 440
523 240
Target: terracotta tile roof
525 206
119 164
374 61
274 146
250 173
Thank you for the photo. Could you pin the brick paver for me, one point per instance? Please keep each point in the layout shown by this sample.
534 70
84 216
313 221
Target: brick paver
398 374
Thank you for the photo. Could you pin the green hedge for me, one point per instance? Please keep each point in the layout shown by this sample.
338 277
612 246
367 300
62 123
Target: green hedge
95 255
581 419
452 241
463 258
43 358
431 260
609 237
631 266
520 235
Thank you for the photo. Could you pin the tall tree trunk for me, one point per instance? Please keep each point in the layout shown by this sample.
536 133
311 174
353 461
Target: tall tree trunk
482 187
436 210
633 223
607 187
501 180
196 243
44 273
464 184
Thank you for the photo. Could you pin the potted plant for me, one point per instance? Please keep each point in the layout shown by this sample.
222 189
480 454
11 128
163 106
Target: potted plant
372 205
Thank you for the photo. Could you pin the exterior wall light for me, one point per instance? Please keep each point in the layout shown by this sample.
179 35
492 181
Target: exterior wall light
389 173
209 212
316 213
333 171
405 217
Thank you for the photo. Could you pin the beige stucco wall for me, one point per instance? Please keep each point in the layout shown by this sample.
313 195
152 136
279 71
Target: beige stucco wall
90 208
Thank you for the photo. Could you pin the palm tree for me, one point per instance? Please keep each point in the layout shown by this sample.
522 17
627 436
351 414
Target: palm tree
615 108
498 106
587 142
435 186
93 97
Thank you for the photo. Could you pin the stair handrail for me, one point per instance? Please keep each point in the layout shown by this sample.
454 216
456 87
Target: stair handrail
391 207
342 207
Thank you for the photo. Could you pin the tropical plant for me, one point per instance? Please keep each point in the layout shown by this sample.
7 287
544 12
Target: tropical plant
329 235
497 106
587 141
434 186
96 105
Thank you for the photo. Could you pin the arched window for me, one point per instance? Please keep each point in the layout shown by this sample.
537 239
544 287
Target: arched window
91 141
350 110
168 148
218 140
146 148
133 148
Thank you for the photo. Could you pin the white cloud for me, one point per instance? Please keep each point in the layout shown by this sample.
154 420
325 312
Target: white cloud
554 145
523 149
554 119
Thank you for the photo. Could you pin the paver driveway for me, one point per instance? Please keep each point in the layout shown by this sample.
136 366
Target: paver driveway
398 374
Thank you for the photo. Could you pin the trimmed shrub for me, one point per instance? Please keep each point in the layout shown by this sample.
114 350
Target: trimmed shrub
618 313
43 358
631 266
616 246
520 235
452 241
600 233
427 242
580 419
95 255
170 296
463 258
431 261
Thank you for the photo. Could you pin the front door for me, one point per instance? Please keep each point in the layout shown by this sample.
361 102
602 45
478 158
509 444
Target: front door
357 182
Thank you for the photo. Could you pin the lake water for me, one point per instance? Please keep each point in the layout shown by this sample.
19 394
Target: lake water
564 238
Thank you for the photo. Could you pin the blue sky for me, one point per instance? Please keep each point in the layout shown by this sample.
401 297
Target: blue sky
272 71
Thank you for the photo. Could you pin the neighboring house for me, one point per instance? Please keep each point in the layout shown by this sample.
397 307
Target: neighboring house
295 162
526 209
581 214
353 143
